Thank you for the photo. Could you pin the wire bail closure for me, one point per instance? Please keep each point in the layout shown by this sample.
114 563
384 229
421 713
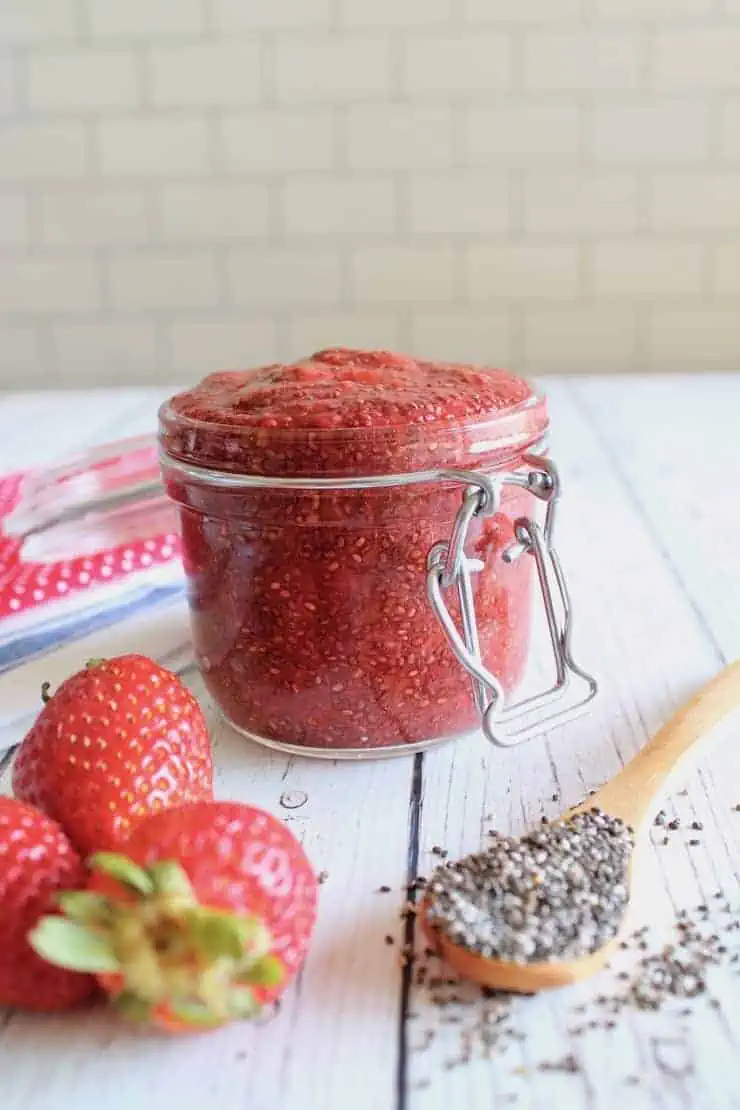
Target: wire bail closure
448 565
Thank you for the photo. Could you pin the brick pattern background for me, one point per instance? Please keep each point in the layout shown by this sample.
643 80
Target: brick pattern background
548 184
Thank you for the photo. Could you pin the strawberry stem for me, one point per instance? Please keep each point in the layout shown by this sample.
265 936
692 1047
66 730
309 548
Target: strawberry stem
200 964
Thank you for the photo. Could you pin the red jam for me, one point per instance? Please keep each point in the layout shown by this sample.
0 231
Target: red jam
310 618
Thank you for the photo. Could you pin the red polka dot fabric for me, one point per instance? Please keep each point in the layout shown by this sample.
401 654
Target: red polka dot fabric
27 584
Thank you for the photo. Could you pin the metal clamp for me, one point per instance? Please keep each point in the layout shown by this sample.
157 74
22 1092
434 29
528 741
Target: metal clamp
448 565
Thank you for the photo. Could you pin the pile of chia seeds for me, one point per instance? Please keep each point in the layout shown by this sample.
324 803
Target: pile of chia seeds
557 893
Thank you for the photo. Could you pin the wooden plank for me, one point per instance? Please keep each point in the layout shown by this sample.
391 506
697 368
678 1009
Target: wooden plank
40 428
341 1016
343 1012
635 626
335 1041
673 443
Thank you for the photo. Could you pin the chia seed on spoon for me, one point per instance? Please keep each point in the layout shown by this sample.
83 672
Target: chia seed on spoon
559 892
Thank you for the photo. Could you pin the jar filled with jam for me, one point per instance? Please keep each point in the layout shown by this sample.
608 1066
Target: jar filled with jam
361 536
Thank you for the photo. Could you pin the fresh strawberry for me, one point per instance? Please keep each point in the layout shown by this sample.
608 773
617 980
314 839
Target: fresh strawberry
36 861
118 741
207 917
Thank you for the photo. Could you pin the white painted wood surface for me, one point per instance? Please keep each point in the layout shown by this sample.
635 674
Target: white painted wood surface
649 535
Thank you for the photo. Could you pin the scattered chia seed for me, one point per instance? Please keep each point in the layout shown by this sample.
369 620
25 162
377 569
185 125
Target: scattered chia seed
660 817
664 840
697 825
384 889
322 877
693 843
389 939
439 851
558 892
567 1064
556 797
674 824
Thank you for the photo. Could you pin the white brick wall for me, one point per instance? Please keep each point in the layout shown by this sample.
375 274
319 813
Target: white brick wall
31 152
75 217
277 141
461 201
219 342
169 281
403 275
652 131
30 285
515 134
329 207
149 148
399 136
579 203
523 272
13 219
442 64
215 212
7 86
337 69
279 276
138 19
586 60
193 76
69 80
547 184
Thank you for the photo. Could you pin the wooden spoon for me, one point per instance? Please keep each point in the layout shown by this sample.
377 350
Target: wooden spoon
632 795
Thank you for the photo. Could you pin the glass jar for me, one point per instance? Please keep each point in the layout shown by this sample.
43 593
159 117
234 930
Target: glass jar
355 526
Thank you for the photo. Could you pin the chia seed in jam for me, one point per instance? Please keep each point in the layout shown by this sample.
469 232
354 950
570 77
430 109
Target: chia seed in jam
309 612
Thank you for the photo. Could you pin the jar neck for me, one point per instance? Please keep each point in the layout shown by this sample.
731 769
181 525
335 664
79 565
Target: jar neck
226 479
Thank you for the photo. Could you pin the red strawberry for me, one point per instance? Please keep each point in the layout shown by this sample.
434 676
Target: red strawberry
207 917
118 741
36 861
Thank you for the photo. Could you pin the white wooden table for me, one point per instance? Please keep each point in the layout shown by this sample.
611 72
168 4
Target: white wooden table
650 537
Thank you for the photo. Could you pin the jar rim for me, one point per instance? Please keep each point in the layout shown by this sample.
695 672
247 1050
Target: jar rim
338 453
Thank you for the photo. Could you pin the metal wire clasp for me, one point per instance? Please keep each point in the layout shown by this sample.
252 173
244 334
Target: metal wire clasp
448 565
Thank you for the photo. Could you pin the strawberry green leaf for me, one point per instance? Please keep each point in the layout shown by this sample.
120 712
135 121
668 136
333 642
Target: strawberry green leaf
71 945
85 906
265 972
130 1006
195 1014
124 870
169 877
255 937
242 1003
215 935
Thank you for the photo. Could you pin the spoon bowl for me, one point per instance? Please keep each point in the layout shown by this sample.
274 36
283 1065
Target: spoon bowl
632 796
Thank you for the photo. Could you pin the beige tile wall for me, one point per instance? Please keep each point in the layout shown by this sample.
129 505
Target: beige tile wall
192 184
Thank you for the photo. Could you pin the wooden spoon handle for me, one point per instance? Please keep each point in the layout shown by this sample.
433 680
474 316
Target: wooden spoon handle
632 794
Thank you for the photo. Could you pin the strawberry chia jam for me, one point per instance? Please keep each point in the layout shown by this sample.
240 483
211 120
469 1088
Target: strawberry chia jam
309 612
